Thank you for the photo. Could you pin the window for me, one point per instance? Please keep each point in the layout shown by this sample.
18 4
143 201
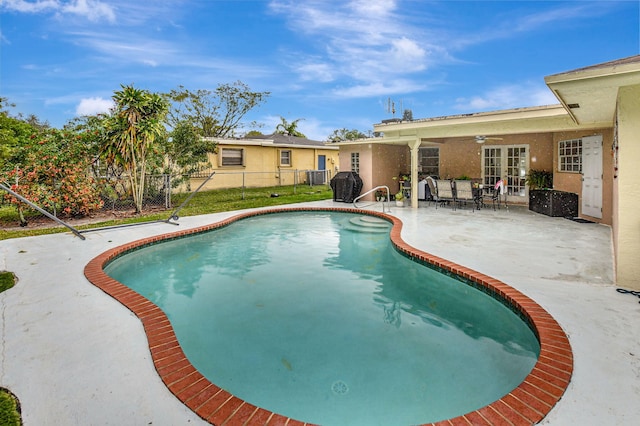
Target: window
570 156
355 162
285 157
232 157
429 161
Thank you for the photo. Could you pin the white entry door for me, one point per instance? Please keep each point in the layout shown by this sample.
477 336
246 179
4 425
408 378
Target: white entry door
592 176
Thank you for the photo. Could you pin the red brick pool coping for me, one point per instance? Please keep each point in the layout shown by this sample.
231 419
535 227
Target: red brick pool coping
527 404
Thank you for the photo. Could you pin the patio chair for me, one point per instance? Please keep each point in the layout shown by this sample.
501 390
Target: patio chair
495 194
445 192
464 192
431 183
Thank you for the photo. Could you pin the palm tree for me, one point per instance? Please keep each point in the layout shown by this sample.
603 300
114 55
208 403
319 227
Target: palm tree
136 124
290 129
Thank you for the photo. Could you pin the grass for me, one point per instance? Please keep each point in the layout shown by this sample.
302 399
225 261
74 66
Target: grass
202 203
9 406
7 280
9 409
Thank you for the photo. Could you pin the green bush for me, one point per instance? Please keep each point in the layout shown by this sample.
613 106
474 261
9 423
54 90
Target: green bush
539 179
9 409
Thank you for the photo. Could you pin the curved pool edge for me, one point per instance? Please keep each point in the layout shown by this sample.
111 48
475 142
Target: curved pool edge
527 404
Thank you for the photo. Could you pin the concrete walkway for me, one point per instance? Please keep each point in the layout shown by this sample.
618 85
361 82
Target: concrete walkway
74 356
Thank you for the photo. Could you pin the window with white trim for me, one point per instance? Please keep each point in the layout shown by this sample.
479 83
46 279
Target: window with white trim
285 157
232 157
570 156
355 162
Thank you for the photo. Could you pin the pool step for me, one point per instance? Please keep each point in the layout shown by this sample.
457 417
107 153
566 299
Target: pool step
368 224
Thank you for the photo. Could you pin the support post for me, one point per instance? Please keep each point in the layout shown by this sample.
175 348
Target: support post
414 146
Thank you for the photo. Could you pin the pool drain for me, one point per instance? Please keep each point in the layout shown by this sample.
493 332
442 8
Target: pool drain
339 387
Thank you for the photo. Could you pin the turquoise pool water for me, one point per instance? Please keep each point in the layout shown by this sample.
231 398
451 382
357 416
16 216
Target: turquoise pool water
300 315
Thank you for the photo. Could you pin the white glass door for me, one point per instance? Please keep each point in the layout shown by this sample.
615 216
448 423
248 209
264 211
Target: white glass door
508 162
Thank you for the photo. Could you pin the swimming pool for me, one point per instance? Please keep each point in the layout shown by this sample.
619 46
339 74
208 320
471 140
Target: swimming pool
392 309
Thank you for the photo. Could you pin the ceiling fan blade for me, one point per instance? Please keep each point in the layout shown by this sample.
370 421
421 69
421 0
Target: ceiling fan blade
483 139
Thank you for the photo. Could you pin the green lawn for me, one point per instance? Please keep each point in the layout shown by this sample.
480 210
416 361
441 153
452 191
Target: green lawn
202 203
9 411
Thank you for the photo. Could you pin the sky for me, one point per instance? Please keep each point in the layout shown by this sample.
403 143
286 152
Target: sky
330 64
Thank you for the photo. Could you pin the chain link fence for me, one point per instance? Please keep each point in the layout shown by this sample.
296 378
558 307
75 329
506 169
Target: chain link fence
163 193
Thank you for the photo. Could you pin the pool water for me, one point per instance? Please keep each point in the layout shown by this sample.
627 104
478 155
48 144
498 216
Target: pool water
301 315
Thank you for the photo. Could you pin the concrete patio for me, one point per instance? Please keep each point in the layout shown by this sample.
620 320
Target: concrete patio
75 356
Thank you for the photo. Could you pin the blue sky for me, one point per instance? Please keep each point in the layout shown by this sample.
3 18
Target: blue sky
332 64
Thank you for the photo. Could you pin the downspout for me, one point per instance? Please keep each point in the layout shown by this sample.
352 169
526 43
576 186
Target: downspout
414 146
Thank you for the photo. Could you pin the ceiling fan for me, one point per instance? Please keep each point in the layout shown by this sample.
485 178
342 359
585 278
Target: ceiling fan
483 139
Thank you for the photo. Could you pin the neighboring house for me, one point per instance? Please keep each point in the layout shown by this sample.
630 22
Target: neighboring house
590 141
269 160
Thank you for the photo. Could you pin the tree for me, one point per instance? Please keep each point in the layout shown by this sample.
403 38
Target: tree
186 152
343 134
217 113
290 129
136 124
14 133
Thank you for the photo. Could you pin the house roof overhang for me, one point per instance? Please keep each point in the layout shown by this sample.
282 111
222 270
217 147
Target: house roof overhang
274 143
513 121
590 94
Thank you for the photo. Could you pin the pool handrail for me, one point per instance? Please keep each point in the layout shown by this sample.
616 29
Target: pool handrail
386 200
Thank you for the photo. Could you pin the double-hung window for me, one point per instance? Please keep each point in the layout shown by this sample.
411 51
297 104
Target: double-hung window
285 157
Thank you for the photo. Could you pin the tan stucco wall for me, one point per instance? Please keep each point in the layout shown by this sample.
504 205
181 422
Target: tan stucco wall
459 157
463 156
379 164
389 162
626 227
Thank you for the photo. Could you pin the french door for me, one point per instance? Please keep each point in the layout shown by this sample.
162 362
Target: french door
508 162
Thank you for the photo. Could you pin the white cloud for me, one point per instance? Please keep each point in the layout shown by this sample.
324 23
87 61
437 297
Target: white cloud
92 106
93 10
508 96
373 7
321 72
3 39
362 40
31 6
144 50
314 129
379 88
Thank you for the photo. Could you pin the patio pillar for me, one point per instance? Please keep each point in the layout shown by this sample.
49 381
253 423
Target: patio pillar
414 146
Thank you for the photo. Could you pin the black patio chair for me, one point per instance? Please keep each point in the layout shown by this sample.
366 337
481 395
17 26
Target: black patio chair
495 194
